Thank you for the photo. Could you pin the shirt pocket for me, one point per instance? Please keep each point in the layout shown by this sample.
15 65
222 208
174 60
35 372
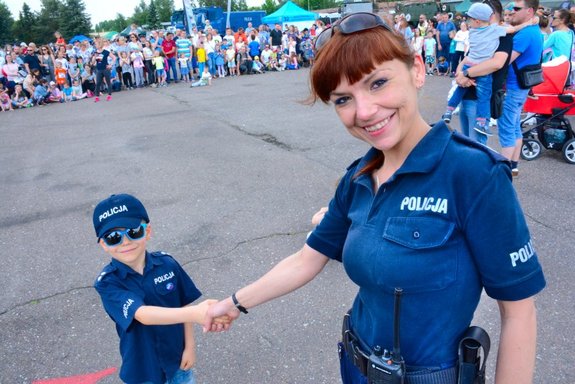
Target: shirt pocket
421 253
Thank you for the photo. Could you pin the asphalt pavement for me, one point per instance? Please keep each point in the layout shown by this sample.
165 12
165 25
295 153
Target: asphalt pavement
231 175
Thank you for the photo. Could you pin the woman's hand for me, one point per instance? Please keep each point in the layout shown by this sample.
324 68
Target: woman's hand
224 309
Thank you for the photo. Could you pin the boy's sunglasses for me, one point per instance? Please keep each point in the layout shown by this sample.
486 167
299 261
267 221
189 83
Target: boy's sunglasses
115 238
356 22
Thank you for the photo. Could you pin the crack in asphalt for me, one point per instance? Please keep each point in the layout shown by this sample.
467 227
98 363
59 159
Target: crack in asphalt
73 289
546 225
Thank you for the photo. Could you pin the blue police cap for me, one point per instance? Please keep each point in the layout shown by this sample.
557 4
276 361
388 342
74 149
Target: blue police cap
118 211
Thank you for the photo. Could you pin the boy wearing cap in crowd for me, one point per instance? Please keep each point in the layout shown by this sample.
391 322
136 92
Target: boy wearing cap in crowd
483 42
140 289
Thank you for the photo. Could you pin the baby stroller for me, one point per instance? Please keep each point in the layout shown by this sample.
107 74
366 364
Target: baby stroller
550 102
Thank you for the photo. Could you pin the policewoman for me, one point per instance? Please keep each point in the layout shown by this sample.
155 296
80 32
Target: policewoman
425 210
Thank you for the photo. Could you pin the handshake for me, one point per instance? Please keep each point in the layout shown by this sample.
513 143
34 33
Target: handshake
216 316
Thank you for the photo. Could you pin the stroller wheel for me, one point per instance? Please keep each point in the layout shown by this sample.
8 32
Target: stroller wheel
531 149
569 151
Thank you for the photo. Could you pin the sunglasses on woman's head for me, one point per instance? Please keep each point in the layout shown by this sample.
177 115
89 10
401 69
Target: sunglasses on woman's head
115 238
356 22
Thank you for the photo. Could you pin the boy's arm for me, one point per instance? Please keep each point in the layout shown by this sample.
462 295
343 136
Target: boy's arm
513 29
153 315
189 354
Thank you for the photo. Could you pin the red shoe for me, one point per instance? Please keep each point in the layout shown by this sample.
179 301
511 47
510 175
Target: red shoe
109 97
96 99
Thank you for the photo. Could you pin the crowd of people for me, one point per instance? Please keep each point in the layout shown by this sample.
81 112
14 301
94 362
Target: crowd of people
59 72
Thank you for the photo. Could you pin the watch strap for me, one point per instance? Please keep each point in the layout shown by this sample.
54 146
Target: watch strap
238 305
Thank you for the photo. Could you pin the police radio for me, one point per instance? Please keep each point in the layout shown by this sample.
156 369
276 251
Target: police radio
385 367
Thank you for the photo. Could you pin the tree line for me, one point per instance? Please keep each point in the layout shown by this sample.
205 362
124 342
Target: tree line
69 17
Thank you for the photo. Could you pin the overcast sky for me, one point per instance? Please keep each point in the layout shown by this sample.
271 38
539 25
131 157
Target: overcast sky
99 10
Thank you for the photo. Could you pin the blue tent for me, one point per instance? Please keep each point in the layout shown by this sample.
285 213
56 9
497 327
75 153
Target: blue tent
79 38
289 13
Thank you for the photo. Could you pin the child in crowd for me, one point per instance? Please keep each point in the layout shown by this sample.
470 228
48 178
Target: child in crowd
483 42
257 66
73 69
137 59
40 92
61 75
55 95
201 54
67 92
116 83
282 62
19 98
429 46
205 79
5 102
158 62
293 62
231 60
220 61
148 295
126 70
77 93
88 81
183 61
442 66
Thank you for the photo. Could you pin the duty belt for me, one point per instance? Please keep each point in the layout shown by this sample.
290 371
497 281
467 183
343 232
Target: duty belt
351 345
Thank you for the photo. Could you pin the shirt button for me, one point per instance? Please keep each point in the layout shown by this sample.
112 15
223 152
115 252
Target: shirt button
416 234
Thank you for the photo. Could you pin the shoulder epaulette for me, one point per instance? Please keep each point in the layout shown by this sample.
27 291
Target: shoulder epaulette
496 157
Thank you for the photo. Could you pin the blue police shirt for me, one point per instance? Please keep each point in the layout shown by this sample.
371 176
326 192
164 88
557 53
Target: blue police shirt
529 43
150 353
446 225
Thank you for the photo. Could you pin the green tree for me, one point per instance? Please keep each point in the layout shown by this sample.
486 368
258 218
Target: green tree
270 6
74 19
165 8
120 23
48 21
22 28
241 5
6 23
153 20
140 16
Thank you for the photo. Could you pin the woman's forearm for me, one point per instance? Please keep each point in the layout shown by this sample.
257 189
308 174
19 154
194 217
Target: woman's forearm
517 343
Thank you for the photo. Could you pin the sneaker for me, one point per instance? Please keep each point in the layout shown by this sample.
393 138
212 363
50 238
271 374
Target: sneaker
447 116
96 99
109 97
483 130
515 172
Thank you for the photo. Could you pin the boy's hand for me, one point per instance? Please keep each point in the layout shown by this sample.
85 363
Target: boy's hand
213 321
188 359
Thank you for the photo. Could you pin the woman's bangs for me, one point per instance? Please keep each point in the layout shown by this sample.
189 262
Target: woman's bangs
354 56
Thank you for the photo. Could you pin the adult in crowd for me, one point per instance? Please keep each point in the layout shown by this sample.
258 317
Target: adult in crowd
276 36
497 66
461 45
527 50
443 28
31 60
560 41
10 71
401 218
102 61
169 49
423 25
210 47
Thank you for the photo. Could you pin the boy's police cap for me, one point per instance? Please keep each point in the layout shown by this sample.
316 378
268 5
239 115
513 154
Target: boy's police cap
480 11
118 211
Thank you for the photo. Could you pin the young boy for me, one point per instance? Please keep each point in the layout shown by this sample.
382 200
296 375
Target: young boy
147 295
483 42
429 47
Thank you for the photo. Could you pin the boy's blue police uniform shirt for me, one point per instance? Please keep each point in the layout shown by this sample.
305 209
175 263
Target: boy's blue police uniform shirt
444 226
150 353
